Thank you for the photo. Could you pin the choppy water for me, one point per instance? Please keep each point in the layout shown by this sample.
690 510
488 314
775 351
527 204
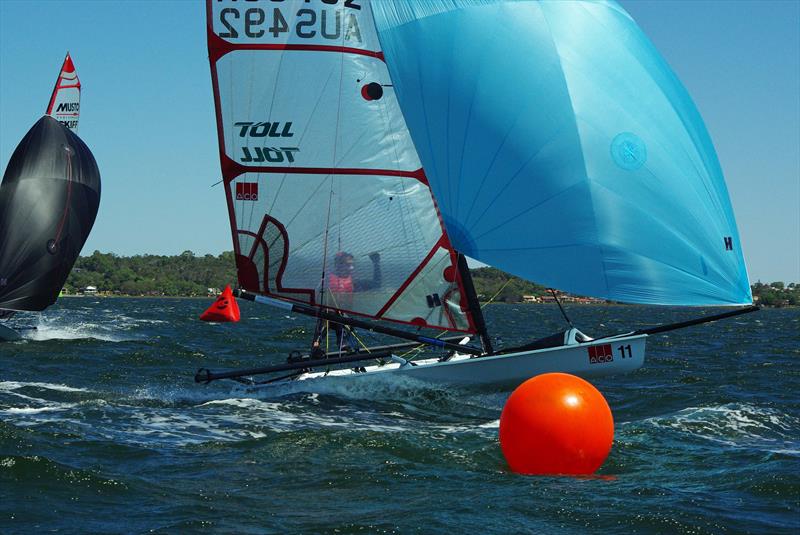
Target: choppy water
102 430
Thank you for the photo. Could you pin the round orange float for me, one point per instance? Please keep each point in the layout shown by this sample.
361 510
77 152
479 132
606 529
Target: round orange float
556 423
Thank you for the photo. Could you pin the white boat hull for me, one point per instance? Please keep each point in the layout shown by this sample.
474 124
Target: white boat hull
597 358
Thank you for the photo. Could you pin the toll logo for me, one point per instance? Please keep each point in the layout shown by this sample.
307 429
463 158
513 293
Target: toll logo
600 354
264 129
268 154
247 191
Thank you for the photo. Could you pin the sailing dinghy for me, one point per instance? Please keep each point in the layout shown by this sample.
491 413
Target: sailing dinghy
368 146
49 198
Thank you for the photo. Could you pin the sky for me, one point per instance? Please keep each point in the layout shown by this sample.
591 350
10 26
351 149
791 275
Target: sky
147 112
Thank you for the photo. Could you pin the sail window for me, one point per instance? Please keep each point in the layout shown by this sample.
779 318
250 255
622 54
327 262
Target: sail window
433 300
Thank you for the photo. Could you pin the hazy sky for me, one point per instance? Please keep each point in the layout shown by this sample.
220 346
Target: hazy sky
147 112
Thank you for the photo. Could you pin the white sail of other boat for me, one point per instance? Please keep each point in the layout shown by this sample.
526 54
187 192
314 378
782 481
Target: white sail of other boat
65 102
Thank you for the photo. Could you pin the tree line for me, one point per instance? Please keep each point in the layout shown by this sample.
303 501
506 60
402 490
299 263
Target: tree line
776 294
187 275
183 275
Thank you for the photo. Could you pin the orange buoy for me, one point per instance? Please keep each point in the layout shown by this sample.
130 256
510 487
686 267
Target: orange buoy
224 308
556 423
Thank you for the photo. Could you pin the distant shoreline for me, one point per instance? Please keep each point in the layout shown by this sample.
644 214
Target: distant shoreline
191 276
211 298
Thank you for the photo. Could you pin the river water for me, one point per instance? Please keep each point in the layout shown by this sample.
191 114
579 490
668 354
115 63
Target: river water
102 430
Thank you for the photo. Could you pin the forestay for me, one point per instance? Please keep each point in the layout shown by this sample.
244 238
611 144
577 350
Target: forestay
65 102
318 165
562 148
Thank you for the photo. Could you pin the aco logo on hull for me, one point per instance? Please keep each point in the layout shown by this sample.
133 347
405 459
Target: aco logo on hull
600 354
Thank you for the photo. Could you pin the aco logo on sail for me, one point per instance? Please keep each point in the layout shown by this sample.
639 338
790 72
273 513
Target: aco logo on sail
247 191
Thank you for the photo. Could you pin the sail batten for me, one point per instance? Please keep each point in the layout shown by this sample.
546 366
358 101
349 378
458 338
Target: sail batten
584 164
328 202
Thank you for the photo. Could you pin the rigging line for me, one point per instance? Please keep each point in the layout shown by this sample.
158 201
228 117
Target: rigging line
347 327
331 178
337 178
325 256
354 335
563 313
503 287
243 204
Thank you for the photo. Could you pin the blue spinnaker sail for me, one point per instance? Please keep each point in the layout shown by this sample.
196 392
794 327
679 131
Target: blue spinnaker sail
561 147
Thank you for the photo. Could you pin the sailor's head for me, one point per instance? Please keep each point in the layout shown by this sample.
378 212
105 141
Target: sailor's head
343 264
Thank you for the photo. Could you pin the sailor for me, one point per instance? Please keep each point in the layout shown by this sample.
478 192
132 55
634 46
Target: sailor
342 286
341 280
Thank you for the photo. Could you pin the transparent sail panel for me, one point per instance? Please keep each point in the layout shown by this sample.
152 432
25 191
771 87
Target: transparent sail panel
328 200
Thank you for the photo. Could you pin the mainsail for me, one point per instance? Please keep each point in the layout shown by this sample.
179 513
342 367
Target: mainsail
48 202
562 148
65 102
320 173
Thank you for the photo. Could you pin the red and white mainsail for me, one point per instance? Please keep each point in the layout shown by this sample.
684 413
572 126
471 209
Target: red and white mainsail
318 166
65 102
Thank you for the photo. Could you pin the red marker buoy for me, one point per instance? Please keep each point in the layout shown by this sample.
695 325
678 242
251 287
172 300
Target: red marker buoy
556 423
224 308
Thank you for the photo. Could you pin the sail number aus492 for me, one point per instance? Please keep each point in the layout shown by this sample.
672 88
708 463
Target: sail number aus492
256 22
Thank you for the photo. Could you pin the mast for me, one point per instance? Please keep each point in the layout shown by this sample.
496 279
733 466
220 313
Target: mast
474 305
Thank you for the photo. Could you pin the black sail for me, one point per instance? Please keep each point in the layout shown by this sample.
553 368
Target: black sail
48 203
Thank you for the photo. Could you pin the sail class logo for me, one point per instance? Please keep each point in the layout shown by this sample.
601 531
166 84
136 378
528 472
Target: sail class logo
629 151
247 191
600 354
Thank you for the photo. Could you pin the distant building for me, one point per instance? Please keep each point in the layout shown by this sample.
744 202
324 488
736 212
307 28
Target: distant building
530 299
89 290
